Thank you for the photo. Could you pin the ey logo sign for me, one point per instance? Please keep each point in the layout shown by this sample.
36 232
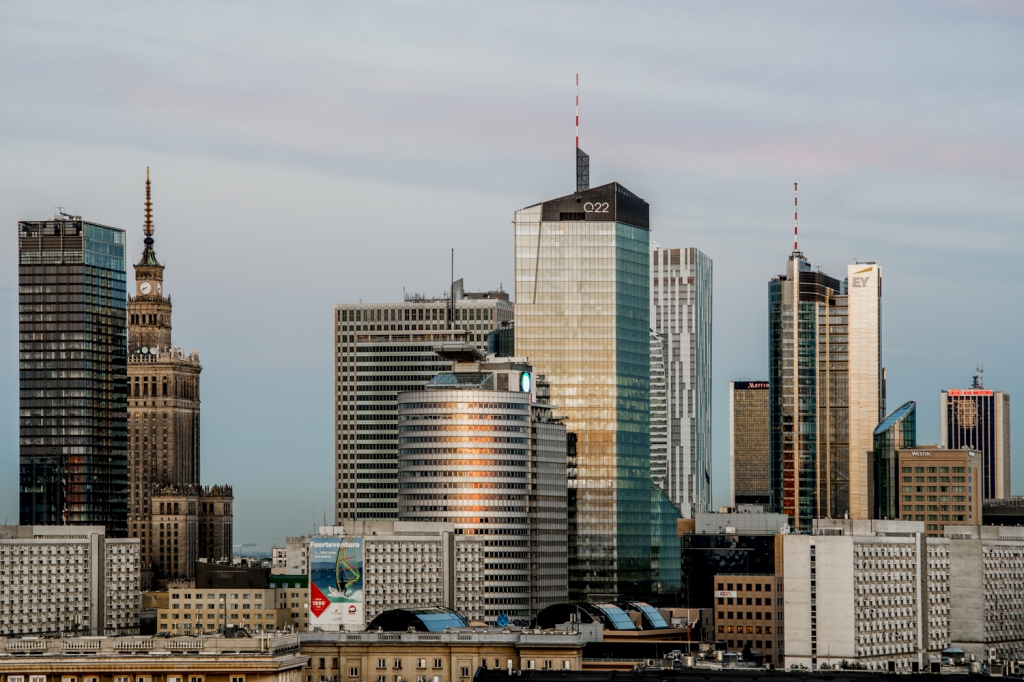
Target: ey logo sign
861 281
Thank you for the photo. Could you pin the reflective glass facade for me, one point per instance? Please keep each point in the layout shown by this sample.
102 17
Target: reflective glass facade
582 319
898 430
979 419
73 375
808 394
749 460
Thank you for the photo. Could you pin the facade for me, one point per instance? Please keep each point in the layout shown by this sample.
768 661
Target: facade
659 412
749 452
123 659
176 520
979 419
380 350
826 393
897 431
680 313
716 545
583 321
437 656
418 565
281 603
853 591
72 358
60 579
940 487
478 448
748 613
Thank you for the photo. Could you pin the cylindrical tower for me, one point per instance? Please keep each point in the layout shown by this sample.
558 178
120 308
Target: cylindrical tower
463 458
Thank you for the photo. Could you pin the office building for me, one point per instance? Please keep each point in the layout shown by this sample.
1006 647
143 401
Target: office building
61 579
380 350
681 314
726 544
940 487
979 419
73 359
478 448
176 520
853 591
416 565
825 386
1005 512
241 597
659 412
897 431
749 455
748 613
154 659
583 321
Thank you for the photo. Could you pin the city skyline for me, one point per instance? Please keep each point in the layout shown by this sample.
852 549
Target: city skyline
938 208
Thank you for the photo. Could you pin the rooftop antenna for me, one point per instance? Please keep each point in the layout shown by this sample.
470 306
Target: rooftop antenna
451 313
979 378
795 223
582 160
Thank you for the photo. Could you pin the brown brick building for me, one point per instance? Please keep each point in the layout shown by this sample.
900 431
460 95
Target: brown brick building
176 520
748 612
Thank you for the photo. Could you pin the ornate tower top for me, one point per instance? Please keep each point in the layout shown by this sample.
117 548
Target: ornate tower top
148 253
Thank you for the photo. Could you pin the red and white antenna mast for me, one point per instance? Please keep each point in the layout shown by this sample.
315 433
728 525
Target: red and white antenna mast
577 111
795 223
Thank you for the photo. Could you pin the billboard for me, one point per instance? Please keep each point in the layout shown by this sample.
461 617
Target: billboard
336 583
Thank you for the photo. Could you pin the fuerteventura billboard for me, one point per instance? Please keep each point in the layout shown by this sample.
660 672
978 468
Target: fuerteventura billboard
336 583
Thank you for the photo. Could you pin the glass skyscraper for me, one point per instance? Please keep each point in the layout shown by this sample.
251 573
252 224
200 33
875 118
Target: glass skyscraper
73 374
582 319
825 390
979 419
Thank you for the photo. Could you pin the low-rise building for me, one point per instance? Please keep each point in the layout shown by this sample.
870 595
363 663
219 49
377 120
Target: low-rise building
748 614
68 579
436 656
153 659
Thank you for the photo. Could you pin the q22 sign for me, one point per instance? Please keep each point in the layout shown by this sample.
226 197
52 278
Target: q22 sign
596 207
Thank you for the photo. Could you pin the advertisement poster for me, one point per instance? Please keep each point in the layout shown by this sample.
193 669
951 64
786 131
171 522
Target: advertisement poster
336 583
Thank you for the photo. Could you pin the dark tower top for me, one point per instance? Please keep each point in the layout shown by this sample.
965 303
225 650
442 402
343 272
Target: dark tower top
149 311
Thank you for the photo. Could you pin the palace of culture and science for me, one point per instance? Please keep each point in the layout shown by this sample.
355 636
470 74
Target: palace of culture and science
176 520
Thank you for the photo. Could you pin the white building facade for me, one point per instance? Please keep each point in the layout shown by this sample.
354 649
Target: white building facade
681 284
867 407
68 579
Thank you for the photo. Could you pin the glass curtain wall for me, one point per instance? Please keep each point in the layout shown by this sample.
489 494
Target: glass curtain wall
582 318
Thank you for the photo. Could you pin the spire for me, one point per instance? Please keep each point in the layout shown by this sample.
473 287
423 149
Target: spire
148 254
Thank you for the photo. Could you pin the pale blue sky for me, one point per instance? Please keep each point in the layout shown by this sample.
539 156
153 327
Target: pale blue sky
314 153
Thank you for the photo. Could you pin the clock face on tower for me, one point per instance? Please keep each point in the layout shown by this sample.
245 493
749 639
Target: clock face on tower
145 288
159 288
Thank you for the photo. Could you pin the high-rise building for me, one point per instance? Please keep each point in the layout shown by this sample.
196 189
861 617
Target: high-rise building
897 431
681 314
826 392
380 350
73 357
478 448
749 457
979 419
659 412
583 321
176 520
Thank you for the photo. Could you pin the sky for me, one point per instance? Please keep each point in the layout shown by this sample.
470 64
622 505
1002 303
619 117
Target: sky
308 154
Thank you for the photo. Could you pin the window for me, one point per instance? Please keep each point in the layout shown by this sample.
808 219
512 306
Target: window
421 664
195 678
323 664
464 671
353 672
438 664
397 664
566 665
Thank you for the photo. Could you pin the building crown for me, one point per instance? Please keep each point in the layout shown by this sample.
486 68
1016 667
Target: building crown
148 253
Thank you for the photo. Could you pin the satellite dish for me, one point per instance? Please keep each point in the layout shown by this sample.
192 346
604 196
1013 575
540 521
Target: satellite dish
502 620
145 350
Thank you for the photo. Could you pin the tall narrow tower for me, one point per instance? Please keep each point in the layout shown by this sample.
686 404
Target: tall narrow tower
175 519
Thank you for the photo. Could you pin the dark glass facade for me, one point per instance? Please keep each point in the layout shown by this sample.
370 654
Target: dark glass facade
979 419
897 431
705 556
748 442
808 395
73 375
